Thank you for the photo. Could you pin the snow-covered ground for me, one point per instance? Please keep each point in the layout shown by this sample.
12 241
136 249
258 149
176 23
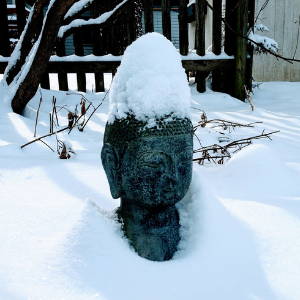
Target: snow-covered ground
241 220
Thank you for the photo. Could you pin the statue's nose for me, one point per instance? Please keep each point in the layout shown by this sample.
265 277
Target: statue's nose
171 178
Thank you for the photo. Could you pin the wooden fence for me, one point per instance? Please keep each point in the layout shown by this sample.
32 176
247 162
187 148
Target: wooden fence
231 71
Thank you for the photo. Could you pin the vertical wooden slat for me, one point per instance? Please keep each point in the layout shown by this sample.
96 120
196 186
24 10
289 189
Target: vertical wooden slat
131 23
166 18
200 8
98 49
148 15
183 28
230 43
62 76
45 83
241 50
249 67
217 27
230 18
99 81
217 81
81 80
21 16
4 39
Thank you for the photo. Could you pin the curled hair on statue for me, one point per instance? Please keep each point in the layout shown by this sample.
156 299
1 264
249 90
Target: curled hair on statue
122 131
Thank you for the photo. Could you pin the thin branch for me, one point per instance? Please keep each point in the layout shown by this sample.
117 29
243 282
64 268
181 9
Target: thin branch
217 153
95 109
46 135
47 145
77 120
54 112
37 114
261 9
260 136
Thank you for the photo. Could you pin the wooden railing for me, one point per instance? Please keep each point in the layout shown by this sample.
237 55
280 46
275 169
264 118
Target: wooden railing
109 64
229 74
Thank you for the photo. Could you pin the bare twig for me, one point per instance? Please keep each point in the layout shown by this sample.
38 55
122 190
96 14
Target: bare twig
225 124
217 154
77 120
50 123
37 114
95 109
47 145
42 137
249 97
261 9
55 110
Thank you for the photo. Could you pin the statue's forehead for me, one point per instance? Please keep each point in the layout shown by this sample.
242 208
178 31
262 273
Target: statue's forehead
174 143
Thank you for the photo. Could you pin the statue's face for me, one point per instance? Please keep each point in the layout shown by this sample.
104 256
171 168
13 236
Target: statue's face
156 171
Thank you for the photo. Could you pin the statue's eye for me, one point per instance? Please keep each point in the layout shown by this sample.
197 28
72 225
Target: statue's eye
152 165
152 161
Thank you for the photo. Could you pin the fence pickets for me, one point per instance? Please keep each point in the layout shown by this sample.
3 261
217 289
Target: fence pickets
4 39
231 77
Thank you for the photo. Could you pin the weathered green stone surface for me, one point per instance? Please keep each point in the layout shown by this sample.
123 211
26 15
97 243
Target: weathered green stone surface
151 170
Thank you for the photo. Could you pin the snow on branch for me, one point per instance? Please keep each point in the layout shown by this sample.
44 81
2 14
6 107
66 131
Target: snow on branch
262 43
96 21
261 27
77 7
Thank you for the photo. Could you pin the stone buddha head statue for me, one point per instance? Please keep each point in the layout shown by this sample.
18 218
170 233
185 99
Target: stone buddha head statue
148 167
147 150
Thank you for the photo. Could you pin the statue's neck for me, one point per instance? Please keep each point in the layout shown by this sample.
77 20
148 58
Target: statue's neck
158 216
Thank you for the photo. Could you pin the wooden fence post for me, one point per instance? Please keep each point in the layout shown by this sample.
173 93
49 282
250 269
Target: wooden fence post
230 43
200 42
183 27
45 82
241 29
21 16
4 39
148 15
97 50
166 18
250 48
217 82
62 76
79 50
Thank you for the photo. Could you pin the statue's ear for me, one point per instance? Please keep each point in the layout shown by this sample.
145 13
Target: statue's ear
111 165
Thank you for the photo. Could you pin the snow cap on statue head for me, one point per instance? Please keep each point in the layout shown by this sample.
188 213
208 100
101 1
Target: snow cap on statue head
150 84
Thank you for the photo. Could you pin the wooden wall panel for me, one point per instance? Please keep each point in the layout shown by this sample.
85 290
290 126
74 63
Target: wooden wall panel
282 18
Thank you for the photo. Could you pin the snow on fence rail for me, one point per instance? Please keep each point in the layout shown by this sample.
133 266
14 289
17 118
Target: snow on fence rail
109 64
228 75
